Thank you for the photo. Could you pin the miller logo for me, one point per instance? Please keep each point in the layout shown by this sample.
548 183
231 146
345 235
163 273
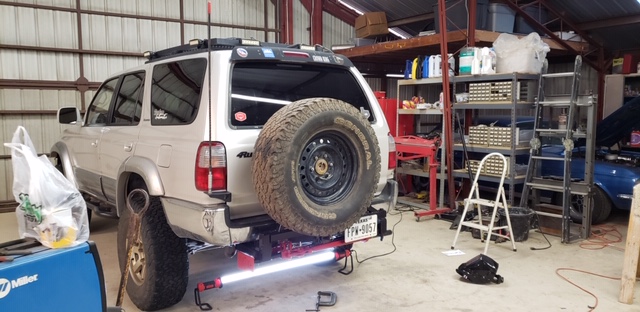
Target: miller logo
6 285
244 155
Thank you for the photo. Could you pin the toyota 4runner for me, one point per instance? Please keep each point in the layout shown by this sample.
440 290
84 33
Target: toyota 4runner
239 143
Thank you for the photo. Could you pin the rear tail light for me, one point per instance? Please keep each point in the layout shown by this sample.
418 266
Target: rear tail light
215 154
393 160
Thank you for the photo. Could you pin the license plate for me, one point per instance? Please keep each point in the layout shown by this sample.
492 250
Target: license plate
366 227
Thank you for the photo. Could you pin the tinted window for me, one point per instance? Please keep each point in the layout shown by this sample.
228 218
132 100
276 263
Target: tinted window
175 91
129 101
98 111
261 89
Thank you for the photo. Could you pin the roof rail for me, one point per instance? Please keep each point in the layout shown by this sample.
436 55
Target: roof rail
217 44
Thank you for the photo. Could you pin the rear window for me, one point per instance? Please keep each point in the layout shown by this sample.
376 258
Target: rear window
175 91
258 90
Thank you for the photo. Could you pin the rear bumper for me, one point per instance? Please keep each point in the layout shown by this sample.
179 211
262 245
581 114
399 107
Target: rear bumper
206 224
211 224
388 196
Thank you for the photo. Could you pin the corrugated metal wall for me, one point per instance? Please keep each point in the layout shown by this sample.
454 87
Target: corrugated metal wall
335 31
301 24
46 46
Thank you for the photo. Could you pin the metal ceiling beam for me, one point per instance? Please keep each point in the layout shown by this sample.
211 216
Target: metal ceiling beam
617 21
411 19
340 11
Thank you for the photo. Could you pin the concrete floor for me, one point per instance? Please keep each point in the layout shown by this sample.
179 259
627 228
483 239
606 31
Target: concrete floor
417 277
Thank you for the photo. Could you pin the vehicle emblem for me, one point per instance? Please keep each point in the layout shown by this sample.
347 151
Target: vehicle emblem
240 116
242 52
244 155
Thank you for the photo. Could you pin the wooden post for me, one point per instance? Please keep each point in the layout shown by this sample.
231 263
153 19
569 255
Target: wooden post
631 265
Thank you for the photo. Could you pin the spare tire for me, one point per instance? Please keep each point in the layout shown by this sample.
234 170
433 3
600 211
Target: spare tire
316 166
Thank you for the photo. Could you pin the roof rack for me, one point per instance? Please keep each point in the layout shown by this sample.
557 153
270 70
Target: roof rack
217 44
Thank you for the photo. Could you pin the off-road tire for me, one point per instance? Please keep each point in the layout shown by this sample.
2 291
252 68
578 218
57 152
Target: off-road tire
601 206
167 261
316 196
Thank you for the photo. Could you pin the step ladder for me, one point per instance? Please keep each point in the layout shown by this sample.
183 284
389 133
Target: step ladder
566 108
500 202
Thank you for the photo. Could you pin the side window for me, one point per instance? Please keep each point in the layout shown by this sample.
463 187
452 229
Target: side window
98 111
175 91
129 101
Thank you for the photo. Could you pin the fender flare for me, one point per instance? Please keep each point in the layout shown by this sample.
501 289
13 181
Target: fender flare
60 151
145 168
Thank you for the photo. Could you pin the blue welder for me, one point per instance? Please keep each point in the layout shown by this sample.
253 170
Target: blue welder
36 278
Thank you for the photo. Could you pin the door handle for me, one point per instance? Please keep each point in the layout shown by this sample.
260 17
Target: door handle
94 143
128 147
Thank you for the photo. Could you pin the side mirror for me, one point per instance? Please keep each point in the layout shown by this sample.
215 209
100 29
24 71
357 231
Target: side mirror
69 115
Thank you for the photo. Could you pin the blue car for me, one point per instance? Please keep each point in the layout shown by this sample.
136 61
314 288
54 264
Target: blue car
616 171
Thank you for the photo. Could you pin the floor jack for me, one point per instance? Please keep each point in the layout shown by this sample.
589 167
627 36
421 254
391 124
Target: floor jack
293 256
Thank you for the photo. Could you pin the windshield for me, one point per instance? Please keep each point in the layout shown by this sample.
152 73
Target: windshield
260 89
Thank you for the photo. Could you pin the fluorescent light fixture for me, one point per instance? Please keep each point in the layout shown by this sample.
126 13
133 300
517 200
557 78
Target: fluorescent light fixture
399 75
285 265
352 8
259 99
402 36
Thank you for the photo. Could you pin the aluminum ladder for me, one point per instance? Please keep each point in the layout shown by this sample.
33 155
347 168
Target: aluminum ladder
534 181
500 202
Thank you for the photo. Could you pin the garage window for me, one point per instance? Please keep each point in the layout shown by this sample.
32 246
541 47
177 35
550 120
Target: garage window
175 91
260 89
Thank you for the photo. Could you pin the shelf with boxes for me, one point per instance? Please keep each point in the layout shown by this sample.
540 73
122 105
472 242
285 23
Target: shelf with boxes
497 98
428 121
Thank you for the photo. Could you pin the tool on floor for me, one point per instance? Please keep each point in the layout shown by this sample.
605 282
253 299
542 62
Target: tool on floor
137 204
331 299
481 269
500 201
547 103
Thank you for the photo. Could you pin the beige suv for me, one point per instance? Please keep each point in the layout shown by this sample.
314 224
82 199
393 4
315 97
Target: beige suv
272 139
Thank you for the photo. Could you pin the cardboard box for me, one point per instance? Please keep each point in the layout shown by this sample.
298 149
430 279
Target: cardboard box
371 24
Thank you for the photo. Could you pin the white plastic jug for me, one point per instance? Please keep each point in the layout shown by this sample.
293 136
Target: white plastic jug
432 63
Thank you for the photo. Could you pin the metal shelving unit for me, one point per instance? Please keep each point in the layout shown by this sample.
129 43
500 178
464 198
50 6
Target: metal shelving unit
517 82
418 83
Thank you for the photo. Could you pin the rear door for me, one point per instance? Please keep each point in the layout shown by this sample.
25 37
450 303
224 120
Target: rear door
84 144
120 135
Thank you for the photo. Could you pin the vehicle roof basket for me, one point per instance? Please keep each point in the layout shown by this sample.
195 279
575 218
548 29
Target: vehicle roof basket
217 44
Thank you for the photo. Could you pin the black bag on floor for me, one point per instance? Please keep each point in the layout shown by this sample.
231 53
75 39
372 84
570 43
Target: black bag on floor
480 270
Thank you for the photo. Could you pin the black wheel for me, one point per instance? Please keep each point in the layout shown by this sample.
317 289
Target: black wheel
316 166
159 264
601 208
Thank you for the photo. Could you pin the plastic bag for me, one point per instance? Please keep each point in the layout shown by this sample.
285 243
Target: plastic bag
51 209
514 55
